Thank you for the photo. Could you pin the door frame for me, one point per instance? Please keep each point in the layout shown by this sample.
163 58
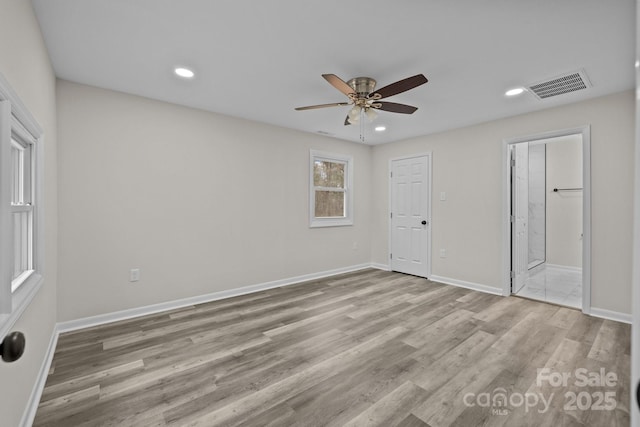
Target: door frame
634 391
521 272
585 131
428 155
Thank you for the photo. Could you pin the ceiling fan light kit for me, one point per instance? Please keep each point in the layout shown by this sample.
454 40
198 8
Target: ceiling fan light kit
353 116
364 98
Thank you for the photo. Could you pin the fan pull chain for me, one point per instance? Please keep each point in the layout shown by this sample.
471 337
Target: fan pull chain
361 124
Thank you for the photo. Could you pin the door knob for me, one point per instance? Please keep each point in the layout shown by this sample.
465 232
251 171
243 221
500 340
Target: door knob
12 347
424 222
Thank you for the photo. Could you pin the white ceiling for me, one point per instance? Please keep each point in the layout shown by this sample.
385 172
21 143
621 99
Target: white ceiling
259 59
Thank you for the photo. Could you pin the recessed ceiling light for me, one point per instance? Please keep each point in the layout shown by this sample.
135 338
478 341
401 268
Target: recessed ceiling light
184 72
514 91
380 128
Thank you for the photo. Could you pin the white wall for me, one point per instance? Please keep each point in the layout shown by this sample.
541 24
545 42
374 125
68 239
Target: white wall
198 201
564 208
25 64
467 165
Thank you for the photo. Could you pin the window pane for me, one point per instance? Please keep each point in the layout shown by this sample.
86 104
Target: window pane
27 175
328 174
22 242
329 204
17 173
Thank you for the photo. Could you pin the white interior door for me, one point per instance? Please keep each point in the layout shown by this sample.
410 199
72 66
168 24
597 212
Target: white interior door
410 211
520 215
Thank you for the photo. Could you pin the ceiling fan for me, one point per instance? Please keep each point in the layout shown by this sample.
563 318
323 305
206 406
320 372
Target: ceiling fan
365 99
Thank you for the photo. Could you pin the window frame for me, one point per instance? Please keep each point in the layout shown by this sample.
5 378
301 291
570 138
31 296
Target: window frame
347 219
17 125
22 202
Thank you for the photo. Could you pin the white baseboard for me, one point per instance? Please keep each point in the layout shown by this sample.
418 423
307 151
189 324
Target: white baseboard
467 285
595 312
34 400
379 266
564 267
101 319
611 315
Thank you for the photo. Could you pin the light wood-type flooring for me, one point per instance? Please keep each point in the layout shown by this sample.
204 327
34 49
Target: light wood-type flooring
369 348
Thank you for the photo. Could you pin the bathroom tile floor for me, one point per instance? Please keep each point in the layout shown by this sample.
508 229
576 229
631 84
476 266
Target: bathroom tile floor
554 284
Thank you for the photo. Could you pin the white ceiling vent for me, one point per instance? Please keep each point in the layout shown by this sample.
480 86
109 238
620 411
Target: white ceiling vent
566 83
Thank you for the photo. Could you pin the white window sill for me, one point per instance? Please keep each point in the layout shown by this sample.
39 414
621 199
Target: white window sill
18 281
21 299
330 222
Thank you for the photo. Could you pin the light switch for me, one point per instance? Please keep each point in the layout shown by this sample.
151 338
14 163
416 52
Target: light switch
134 275
443 196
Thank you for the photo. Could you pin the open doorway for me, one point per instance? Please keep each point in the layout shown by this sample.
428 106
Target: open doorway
547 197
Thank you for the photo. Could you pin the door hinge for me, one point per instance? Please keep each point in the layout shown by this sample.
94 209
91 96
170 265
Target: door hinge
512 218
513 162
390 174
391 214
512 274
390 256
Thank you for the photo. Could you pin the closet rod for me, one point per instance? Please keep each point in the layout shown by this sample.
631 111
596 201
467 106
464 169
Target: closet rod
555 190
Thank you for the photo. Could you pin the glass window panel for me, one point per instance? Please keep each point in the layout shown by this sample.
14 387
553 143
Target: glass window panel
328 174
22 242
17 244
27 175
17 173
329 204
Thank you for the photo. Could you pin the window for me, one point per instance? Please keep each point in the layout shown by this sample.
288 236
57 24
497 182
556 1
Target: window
21 252
331 189
21 211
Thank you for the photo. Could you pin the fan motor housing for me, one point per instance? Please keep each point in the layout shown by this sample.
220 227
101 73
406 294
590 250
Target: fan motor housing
363 86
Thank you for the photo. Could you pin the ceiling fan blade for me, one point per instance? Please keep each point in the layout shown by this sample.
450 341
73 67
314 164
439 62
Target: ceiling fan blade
399 87
338 83
397 108
313 107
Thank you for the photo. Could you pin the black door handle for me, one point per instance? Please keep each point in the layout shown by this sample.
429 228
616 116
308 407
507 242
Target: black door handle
12 347
638 394
424 222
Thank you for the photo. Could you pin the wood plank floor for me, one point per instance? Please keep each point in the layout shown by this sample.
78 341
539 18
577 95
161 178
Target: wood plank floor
369 348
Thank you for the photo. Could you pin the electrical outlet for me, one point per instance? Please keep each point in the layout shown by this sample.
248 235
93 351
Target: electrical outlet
134 275
443 253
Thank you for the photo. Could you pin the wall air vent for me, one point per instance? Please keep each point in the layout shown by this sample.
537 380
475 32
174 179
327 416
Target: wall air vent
566 83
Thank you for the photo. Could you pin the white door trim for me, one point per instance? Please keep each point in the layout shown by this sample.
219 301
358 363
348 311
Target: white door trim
428 155
634 405
520 213
585 131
